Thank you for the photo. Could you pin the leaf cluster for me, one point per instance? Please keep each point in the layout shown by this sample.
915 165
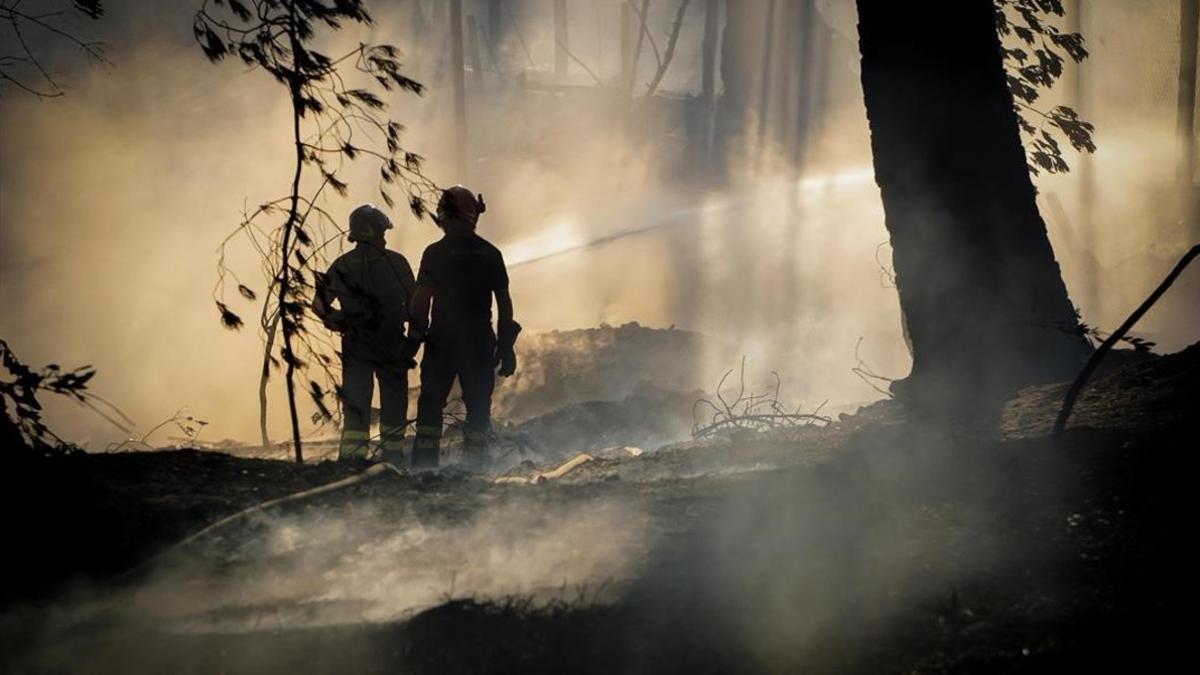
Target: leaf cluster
19 389
1035 53
1094 336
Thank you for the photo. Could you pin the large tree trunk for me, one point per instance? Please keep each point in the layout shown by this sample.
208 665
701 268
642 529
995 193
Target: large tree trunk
984 299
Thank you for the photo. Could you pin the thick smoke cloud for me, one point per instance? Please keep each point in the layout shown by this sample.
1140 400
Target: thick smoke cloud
116 196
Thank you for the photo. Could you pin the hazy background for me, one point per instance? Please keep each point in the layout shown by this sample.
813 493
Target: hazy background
114 197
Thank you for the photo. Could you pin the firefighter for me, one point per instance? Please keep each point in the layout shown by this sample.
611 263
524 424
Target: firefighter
372 287
458 275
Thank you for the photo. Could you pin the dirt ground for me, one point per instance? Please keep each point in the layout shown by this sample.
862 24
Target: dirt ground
877 544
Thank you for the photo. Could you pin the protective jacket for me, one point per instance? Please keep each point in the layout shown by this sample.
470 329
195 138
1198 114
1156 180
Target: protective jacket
464 271
372 287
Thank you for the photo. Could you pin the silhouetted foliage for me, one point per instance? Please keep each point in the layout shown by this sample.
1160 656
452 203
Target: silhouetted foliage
23 425
1034 52
20 410
1096 337
337 117
31 27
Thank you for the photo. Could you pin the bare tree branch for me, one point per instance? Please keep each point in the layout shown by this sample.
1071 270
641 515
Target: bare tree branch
17 21
672 41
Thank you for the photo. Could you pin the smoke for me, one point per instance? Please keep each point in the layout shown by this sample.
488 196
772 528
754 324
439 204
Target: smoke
768 562
365 561
116 196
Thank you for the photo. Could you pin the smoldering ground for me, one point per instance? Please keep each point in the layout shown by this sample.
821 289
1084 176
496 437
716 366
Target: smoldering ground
372 559
764 562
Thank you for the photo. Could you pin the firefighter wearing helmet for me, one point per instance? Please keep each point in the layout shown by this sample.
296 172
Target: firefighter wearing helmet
459 275
365 296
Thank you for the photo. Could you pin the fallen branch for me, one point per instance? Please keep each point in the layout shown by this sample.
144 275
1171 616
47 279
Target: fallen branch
868 375
750 411
554 474
1077 386
777 421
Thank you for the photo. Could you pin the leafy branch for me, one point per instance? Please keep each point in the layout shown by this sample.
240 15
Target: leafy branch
21 412
1035 52
338 116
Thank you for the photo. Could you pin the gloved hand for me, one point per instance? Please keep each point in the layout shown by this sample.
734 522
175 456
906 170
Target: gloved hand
408 351
506 355
506 360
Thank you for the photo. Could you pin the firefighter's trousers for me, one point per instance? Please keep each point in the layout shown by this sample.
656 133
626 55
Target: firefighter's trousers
360 369
466 355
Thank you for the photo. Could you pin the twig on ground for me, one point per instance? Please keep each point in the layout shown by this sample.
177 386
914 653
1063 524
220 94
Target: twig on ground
867 375
189 425
749 411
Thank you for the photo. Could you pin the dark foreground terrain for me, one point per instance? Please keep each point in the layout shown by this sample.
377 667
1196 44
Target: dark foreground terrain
878 544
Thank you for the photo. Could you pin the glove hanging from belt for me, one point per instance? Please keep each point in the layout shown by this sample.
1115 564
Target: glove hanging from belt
506 342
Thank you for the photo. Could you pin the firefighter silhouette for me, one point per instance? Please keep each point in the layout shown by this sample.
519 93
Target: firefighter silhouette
459 275
372 287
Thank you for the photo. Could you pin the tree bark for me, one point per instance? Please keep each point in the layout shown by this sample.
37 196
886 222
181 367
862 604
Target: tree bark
271 328
285 257
984 299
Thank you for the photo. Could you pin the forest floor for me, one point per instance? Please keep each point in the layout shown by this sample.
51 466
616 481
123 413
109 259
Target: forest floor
879 543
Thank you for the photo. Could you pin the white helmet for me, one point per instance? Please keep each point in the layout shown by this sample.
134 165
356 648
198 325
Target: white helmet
367 222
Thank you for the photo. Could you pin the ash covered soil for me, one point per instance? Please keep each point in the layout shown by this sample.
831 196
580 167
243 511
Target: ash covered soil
877 544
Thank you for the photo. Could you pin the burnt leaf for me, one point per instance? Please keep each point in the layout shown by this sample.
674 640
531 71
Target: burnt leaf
228 318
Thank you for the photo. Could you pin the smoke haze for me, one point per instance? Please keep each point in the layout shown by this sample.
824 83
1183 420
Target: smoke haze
114 198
